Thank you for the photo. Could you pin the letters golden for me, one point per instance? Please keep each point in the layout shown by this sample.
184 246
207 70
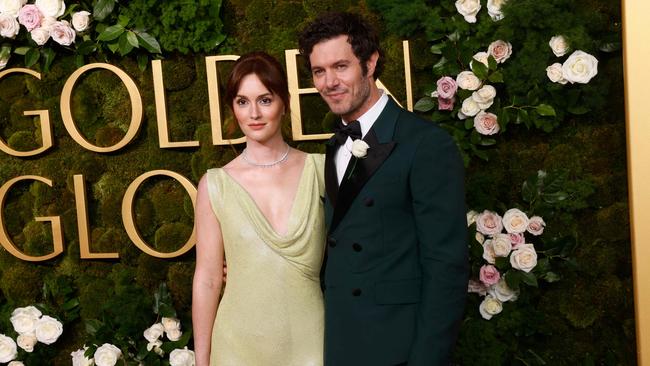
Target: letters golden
163 142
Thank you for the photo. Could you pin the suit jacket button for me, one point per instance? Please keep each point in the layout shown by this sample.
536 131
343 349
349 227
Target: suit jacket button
356 292
369 202
331 241
357 247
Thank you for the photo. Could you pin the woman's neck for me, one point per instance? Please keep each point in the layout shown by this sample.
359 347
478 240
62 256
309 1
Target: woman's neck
267 151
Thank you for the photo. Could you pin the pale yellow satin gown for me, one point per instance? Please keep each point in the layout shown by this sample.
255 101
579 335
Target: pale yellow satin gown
271 312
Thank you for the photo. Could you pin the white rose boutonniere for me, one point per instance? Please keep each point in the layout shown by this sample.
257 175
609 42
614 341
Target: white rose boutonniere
360 148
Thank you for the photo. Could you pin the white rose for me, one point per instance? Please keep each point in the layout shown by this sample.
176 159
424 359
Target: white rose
494 9
16 363
489 223
51 8
79 359
24 319
154 332
40 35
48 329
26 342
559 45
484 97
360 148
8 349
524 257
107 355
554 73
488 251
81 20
515 221
48 22
9 26
11 8
155 346
62 33
486 123
181 357
500 50
468 9
580 67
502 292
481 57
470 107
174 334
490 307
471 217
479 237
536 225
501 245
468 81
170 323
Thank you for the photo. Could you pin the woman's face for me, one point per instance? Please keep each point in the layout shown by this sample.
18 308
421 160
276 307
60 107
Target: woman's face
258 111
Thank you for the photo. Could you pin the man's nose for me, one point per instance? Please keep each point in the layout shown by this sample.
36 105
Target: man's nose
331 79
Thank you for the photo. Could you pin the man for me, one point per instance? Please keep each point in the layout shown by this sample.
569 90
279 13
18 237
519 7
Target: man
397 269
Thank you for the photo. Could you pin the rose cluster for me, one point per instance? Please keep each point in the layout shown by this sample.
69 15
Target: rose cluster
470 8
42 20
482 96
580 67
168 326
32 327
511 244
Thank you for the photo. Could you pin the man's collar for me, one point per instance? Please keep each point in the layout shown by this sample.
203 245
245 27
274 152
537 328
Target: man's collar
367 119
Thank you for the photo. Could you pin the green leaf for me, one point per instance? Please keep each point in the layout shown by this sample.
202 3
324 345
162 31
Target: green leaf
496 77
436 49
70 304
148 42
123 20
86 47
529 278
424 105
513 279
31 57
492 63
545 110
522 116
111 33
133 39
102 9
92 326
437 68
125 46
551 277
21 50
469 123
143 60
114 46
488 142
479 69
79 60
578 110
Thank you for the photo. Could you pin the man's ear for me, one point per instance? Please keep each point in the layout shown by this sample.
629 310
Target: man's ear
372 63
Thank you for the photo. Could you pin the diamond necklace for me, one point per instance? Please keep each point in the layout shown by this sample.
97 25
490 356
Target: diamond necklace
282 159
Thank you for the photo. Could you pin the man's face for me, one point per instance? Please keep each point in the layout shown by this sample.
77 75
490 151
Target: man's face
339 78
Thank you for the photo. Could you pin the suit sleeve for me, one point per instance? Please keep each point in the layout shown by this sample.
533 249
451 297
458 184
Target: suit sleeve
437 184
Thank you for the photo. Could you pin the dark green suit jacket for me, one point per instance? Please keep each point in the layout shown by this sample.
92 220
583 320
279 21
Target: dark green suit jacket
395 278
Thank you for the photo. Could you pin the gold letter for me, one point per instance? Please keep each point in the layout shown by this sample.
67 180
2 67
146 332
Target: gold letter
129 223
46 127
213 94
82 222
136 108
161 111
57 233
295 91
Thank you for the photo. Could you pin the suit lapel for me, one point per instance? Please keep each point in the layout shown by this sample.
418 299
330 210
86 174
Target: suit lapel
360 170
331 181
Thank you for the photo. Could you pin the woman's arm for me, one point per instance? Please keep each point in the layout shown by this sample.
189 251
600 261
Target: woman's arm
208 273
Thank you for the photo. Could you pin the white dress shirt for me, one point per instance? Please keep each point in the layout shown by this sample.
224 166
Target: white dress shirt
344 152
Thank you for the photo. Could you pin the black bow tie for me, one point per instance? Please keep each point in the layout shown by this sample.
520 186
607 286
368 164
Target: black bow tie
342 132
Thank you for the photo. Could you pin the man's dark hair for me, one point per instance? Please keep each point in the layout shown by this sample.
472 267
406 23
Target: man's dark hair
362 37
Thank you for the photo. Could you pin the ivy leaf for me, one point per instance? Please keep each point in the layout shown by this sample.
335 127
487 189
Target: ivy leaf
132 39
21 50
31 57
111 33
424 105
148 42
102 9
545 110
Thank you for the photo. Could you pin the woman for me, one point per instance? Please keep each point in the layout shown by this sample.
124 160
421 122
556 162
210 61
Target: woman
262 211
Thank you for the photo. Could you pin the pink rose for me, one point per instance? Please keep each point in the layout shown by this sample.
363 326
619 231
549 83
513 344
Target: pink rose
446 87
516 239
486 123
445 104
489 223
62 33
30 17
489 275
500 50
476 287
536 225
